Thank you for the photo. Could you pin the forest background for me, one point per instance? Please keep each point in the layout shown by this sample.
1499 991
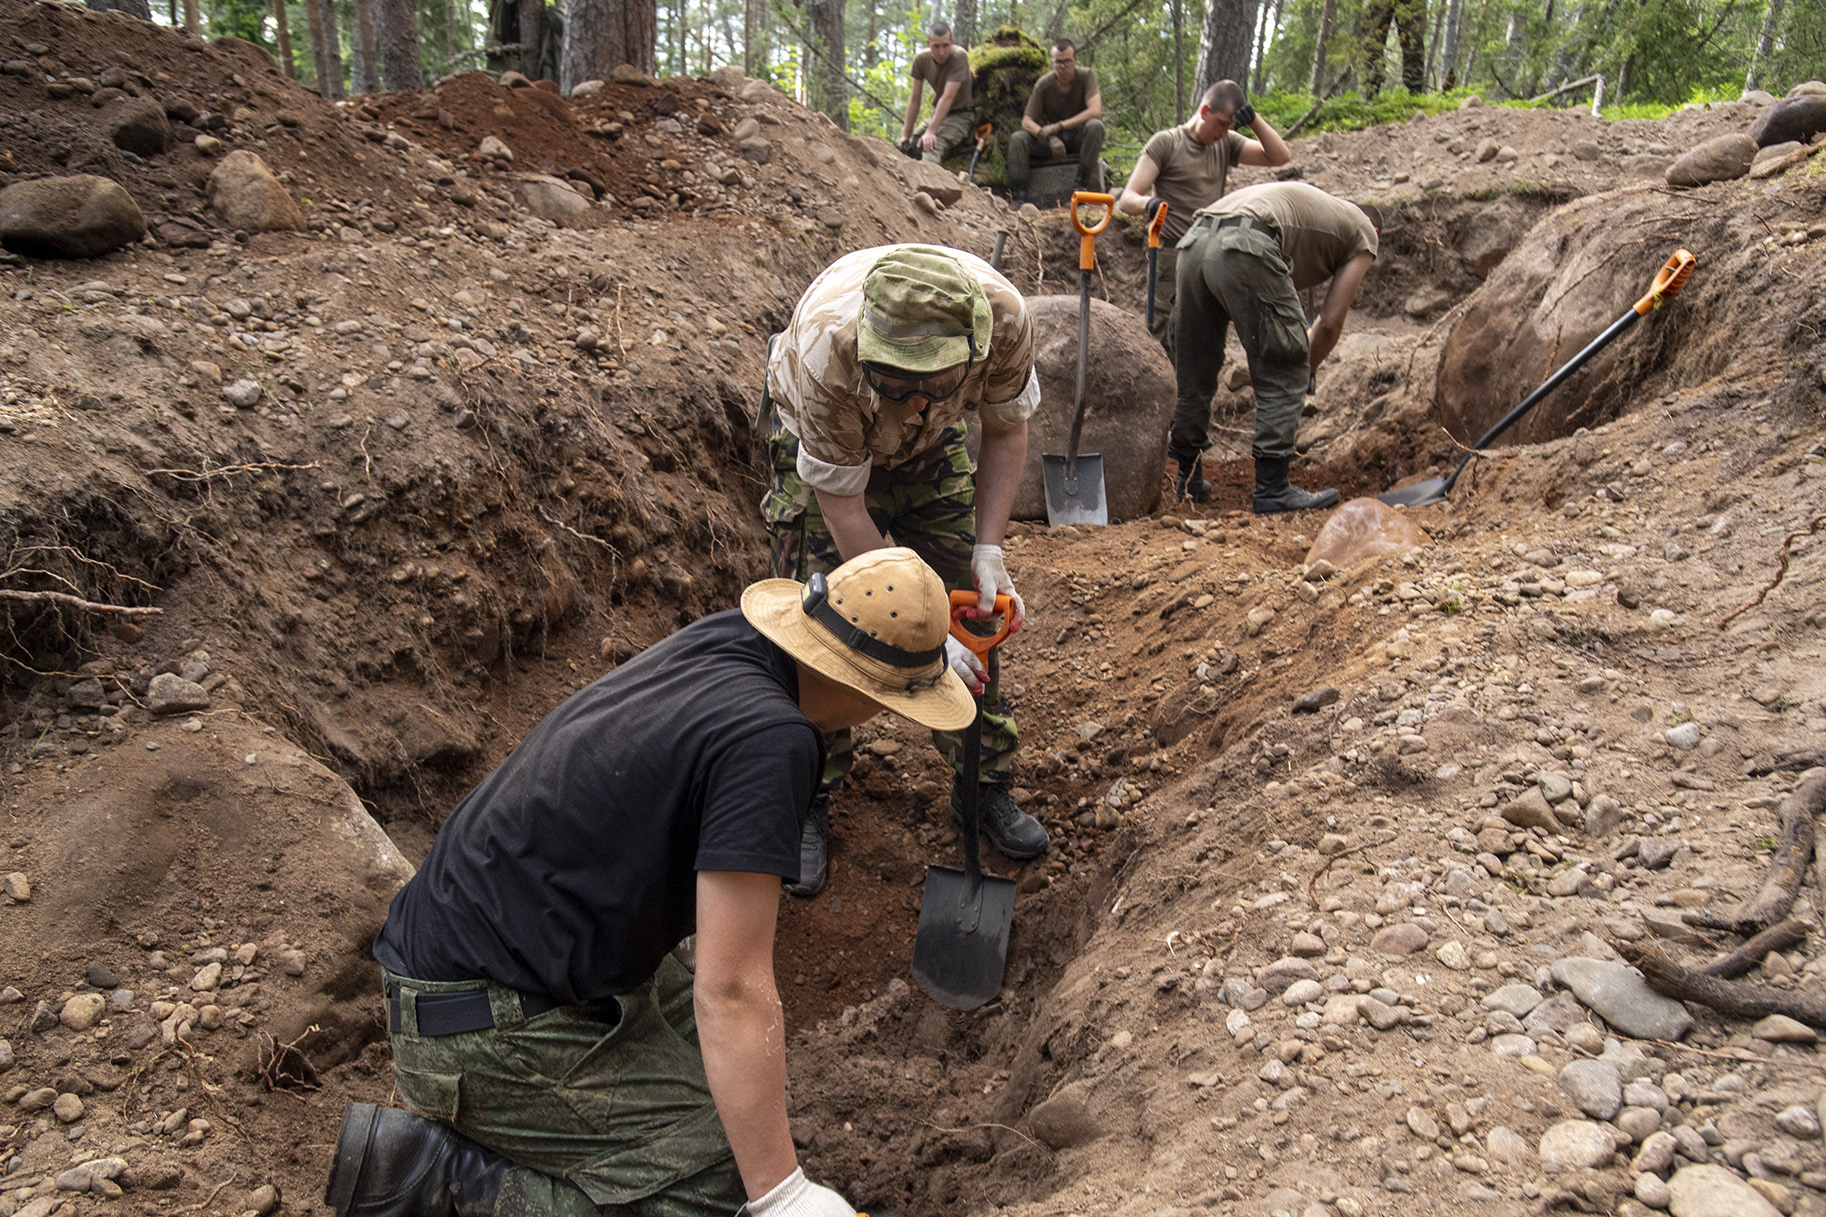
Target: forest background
1153 58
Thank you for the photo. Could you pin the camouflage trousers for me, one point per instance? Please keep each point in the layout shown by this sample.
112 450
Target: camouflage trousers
952 134
603 1111
927 505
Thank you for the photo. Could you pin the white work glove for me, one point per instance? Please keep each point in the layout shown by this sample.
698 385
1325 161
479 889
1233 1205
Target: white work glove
963 661
991 574
797 1196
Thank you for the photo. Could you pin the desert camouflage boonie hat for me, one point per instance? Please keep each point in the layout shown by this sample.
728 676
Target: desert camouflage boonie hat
922 312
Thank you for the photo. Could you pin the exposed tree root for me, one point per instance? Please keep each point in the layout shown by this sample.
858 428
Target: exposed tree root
1783 883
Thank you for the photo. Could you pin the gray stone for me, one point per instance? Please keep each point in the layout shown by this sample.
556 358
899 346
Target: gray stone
1799 1121
1513 1047
1712 1191
1780 1029
1381 1015
1619 994
170 693
16 887
1277 976
1512 998
1531 810
1638 1122
7 1061
243 394
1555 787
1721 159
758 150
1065 1119
68 1108
83 1011
1656 1154
81 216
1794 119
551 198
1399 940
247 197
1684 737
1653 1191
1302 991
1594 1087
1643 1093
1316 700
1238 992
1576 1144
140 127
1663 923
1656 853
1506 1145
1558 1014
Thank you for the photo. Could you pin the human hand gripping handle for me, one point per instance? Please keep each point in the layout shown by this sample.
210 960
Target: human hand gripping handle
797 1196
967 652
990 572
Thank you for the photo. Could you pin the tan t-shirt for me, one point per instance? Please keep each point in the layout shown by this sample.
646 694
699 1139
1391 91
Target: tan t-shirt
1192 175
1319 233
844 429
937 76
1048 103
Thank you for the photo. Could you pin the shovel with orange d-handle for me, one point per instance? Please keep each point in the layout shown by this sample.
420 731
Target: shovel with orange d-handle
1157 220
1074 482
1667 284
961 949
982 137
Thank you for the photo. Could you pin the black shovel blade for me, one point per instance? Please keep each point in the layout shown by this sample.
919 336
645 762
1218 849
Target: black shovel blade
1433 490
962 947
1074 499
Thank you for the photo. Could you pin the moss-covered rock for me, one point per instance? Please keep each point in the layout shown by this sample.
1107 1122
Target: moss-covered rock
1004 71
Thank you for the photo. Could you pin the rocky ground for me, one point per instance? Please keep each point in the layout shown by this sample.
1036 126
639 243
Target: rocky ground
440 406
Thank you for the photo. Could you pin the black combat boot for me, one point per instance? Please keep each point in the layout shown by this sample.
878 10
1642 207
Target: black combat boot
392 1163
1191 483
814 849
1274 493
1011 830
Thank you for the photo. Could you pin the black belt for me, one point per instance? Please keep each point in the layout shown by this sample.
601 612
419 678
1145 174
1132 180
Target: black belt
456 1013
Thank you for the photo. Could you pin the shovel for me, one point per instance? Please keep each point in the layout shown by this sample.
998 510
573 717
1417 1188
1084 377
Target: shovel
1074 482
982 136
962 946
1668 281
1154 226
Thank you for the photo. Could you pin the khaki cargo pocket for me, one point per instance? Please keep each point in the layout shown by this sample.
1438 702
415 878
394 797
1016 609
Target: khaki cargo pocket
437 1095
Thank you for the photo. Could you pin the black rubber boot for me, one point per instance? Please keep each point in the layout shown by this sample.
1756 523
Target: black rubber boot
1011 830
1191 483
1274 493
814 849
392 1163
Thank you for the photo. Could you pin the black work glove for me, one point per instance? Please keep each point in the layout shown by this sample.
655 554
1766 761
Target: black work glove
1244 116
1153 205
910 146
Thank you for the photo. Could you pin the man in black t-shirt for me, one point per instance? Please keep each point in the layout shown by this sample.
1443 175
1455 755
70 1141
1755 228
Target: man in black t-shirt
535 969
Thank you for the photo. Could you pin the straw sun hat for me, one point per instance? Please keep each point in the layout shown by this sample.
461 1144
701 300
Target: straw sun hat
877 625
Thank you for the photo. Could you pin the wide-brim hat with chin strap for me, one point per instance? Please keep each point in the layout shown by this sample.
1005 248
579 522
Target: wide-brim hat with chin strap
877 625
922 311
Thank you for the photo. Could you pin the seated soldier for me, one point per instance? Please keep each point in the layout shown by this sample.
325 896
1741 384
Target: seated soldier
1064 117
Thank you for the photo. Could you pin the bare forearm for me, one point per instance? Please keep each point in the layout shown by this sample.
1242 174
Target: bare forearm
1000 463
1273 146
743 1037
847 517
1324 336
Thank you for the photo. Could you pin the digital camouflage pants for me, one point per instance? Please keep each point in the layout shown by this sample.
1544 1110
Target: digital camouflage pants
1238 276
927 505
603 1111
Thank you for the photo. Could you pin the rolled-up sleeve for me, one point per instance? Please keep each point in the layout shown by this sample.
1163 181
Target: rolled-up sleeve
1012 391
1002 415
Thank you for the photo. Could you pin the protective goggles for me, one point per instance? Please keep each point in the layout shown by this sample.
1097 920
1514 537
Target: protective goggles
895 385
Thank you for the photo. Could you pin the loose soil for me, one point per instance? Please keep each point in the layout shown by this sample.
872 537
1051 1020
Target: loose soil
493 457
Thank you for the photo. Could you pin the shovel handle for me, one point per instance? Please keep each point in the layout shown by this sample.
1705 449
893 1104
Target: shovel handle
982 133
977 642
1087 239
1156 224
1668 281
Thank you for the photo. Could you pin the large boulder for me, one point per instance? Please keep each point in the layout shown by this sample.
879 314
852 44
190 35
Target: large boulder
1797 118
81 216
552 199
248 198
1128 388
140 127
1717 160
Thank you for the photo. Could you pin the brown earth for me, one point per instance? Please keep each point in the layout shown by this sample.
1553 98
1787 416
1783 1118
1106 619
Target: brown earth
492 457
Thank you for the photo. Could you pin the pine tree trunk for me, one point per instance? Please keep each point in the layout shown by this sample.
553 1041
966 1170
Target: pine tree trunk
1263 24
1448 54
963 23
1772 25
397 42
1327 19
449 39
190 16
365 73
332 48
1223 48
600 35
313 17
828 90
754 24
1179 60
283 38
532 30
